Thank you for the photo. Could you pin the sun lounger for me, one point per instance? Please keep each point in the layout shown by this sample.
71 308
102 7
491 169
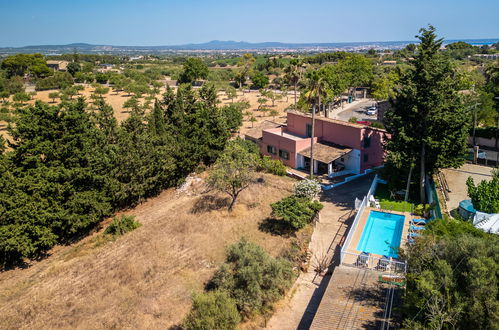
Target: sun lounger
374 202
412 235
384 263
419 222
415 228
363 259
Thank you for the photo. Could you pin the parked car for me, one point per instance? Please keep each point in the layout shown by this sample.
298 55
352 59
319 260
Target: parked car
371 111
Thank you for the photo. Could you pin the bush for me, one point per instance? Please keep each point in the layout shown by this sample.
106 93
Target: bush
212 310
307 189
484 132
58 81
296 212
121 225
273 166
259 80
485 195
253 278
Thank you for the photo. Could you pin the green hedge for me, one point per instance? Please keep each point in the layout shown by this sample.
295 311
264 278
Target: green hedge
485 132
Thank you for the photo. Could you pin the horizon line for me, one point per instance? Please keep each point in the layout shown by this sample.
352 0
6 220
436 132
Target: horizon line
247 42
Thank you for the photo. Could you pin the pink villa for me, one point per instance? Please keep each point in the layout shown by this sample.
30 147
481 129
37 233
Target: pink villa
340 148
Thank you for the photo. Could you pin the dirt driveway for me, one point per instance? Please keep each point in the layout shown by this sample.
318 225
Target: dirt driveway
456 179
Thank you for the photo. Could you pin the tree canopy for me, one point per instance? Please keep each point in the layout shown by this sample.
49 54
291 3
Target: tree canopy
452 278
70 167
194 68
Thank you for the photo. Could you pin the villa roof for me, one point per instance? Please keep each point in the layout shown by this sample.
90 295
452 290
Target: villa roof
257 132
336 121
325 152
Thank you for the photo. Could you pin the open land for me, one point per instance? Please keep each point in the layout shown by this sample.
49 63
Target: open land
144 279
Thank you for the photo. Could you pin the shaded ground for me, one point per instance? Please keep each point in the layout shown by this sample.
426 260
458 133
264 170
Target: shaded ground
299 308
456 179
145 279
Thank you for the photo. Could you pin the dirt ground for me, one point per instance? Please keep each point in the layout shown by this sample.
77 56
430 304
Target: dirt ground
144 279
456 179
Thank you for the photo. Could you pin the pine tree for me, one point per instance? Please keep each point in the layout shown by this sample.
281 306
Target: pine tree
429 122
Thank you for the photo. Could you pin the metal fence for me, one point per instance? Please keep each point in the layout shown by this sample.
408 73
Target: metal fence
360 210
368 261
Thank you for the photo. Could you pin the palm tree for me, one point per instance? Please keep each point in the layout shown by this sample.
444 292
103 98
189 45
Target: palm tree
315 85
293 74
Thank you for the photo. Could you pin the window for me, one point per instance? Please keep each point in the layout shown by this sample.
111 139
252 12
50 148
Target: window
271 149
367 142
308 130
283 154
366 158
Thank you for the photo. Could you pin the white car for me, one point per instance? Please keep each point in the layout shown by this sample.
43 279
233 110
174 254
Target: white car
371 111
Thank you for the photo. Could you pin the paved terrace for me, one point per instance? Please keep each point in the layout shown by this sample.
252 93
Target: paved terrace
297 311
353 300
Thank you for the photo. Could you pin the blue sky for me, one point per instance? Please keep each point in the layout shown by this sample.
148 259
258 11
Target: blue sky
170 22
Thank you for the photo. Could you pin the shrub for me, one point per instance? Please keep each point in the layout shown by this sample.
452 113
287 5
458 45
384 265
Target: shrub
352 120
249 146
58 81
121 225
307 189
253 278
296 212
485 195
273 166
233 116
212 310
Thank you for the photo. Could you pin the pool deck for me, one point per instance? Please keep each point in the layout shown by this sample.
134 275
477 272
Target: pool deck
352 248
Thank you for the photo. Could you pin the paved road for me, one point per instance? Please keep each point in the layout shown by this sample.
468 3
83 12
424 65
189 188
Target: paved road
356 109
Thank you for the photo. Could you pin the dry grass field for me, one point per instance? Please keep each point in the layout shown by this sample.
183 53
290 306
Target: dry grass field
144 279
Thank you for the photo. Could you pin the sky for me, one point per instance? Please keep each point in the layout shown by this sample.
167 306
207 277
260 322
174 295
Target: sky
175 22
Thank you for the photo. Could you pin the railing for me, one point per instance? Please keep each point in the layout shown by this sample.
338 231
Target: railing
367 261
362 206
340 173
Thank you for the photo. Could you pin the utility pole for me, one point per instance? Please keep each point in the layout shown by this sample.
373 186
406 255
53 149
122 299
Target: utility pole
474 122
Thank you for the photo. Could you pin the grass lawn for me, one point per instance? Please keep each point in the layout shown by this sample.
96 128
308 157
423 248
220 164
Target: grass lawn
388 203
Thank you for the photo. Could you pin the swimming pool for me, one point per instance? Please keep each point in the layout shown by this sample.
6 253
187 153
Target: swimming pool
382 234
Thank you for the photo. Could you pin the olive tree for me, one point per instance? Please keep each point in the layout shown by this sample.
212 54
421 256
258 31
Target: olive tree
233 171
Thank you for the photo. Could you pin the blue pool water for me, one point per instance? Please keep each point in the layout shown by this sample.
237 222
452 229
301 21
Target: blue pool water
382 234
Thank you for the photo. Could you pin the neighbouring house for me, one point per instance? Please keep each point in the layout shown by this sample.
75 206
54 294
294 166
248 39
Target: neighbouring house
487 56
340 147
58 65
389 63
105 67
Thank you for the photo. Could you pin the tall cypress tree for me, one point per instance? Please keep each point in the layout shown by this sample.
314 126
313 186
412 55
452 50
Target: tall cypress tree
429 123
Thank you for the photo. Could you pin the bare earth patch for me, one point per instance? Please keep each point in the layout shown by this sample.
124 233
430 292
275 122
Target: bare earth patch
145 278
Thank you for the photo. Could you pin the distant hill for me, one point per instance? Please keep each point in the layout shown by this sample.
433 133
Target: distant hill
218 45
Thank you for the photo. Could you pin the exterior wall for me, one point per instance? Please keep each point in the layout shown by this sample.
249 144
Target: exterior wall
352 161
483 142
345 135
274 138
375 152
